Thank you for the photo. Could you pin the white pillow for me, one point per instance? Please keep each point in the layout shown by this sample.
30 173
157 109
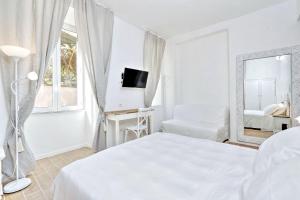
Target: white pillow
277 149
281 182
268 110
280 110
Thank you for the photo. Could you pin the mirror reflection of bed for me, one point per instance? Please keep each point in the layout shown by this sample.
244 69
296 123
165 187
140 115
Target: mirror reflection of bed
267 95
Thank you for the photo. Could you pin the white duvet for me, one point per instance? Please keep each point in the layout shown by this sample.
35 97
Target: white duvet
158 167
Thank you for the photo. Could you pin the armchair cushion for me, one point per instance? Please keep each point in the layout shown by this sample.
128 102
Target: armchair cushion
204 130
201 121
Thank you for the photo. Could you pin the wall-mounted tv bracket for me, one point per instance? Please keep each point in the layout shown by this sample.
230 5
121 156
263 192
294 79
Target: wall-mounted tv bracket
122 78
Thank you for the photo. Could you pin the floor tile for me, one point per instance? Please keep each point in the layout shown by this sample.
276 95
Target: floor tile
45 172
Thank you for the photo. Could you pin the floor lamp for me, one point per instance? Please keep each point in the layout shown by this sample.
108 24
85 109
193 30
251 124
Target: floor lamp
17 53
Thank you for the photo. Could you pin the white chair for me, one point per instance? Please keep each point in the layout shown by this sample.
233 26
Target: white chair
142 124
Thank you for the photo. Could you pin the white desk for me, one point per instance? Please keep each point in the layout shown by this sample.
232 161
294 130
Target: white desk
118 116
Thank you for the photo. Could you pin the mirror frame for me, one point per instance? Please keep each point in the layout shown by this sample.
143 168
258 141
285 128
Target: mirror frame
295 87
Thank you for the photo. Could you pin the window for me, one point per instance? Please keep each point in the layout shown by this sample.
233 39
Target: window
62 86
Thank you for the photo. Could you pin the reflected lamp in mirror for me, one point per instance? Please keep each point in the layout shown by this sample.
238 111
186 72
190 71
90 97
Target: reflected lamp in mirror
32 76
297 120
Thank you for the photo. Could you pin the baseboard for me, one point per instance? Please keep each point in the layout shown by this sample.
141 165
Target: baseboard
243 144
60 151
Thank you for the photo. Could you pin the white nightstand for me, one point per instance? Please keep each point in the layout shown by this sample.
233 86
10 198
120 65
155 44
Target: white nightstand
279 120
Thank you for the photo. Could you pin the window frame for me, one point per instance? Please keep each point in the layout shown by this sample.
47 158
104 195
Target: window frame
56 78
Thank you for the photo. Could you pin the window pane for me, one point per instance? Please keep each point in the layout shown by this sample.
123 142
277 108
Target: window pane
45 94
68 83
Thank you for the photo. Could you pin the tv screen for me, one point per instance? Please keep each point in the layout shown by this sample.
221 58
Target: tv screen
134 78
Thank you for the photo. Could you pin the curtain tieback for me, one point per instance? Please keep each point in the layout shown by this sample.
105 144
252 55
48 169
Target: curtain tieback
102 119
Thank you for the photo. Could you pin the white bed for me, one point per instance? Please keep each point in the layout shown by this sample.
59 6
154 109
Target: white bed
259 120
161 166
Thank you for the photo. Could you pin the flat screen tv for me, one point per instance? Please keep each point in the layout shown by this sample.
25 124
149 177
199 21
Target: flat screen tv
134 78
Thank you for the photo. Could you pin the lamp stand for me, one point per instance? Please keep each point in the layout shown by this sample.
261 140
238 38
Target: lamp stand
19 183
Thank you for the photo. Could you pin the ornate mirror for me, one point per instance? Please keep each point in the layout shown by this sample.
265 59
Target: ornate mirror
267 94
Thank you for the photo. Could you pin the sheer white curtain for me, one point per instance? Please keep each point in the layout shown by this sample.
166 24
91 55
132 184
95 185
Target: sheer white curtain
154 48
36 25
94 25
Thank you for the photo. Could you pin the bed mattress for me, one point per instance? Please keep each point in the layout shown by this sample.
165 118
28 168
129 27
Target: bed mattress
161 166
258 119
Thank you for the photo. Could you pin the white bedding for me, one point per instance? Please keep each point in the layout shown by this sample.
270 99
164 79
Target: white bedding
161 166
258 119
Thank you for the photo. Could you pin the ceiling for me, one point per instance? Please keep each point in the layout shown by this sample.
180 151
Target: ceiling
171 17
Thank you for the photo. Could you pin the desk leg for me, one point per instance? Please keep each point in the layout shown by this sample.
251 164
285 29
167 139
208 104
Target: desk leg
108 134
117 132
151 123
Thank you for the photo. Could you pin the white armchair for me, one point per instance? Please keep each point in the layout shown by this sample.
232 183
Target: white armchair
200 121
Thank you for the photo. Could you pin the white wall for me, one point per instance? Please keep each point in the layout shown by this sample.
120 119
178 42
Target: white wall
127 51
201 78
52 133
270 28
268 81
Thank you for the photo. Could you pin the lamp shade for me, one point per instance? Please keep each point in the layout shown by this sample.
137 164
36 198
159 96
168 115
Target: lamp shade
297 119
15 51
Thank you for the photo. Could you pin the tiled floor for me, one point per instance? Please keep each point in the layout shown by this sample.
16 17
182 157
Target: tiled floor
258 133
44 174
251 146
